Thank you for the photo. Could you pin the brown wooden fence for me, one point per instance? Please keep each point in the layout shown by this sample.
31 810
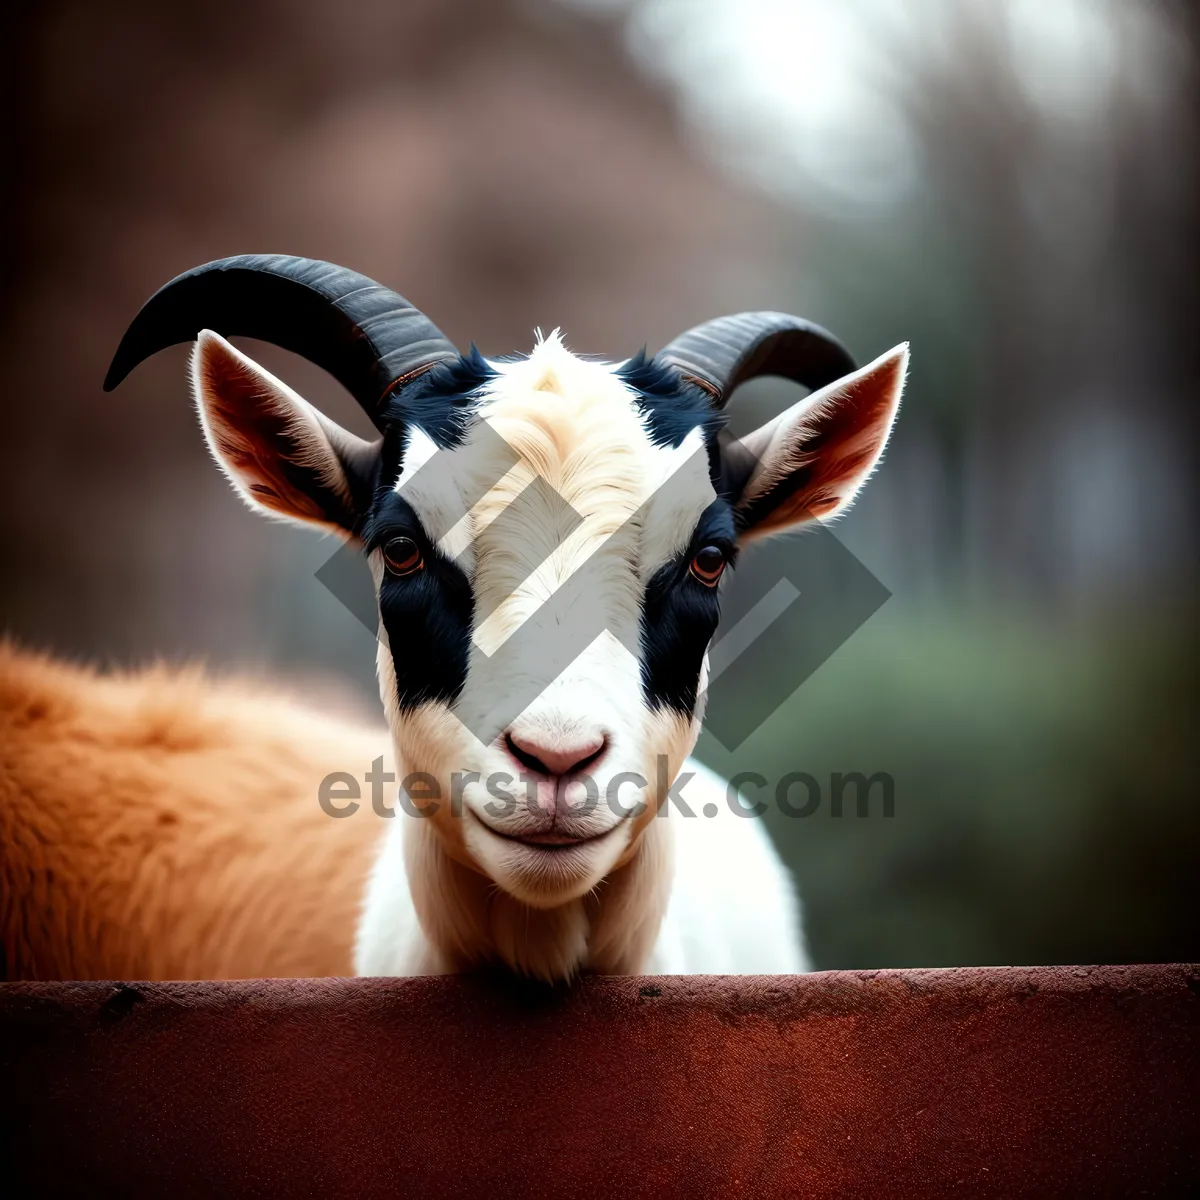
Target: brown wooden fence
994 1082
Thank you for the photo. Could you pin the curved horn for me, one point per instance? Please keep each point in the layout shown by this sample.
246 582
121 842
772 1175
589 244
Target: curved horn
369 338
725 352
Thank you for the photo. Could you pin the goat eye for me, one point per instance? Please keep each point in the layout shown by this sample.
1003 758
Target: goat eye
708 565
403 556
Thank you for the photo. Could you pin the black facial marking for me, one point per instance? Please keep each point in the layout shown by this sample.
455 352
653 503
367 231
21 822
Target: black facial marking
427 614
679 617
442 400
672 408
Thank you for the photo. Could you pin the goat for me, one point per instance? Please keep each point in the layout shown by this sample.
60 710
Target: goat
495 486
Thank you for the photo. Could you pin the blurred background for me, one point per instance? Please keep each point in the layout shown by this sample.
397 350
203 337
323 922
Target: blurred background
1011 185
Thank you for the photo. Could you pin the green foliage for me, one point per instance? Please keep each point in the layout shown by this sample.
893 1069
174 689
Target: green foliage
1045 799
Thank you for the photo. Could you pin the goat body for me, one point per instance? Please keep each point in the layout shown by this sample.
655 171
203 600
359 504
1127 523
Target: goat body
164 825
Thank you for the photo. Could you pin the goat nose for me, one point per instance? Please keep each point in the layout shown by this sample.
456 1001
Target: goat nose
556 755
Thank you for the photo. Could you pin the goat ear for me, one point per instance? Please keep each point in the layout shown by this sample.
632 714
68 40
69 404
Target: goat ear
279 452
810 461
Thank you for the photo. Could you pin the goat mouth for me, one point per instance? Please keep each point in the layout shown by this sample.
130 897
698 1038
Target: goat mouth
550 840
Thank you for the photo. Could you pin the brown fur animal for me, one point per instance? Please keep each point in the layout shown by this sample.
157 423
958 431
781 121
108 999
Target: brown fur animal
165 825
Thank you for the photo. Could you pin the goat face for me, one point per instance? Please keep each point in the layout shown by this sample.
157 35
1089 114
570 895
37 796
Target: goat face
562 631
546 534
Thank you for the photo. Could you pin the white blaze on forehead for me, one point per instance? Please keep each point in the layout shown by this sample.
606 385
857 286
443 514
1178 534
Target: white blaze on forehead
572 425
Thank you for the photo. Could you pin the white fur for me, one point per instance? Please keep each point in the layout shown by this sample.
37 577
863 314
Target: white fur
732 907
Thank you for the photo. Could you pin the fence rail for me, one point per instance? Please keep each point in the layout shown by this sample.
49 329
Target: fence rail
999 1081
